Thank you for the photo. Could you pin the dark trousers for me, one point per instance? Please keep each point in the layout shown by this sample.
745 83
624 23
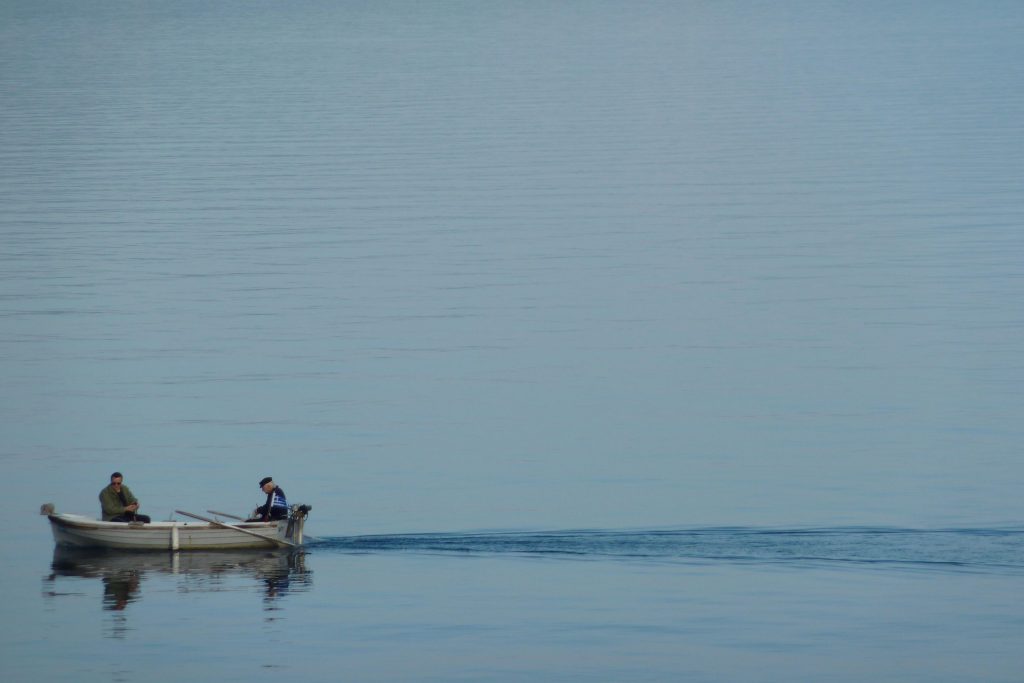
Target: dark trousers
131 517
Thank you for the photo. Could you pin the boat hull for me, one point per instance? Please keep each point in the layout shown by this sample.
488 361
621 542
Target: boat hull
81 532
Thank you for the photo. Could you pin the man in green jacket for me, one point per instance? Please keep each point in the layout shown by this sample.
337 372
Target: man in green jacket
119 505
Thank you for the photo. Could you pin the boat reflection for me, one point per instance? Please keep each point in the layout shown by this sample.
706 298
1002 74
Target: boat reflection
274 573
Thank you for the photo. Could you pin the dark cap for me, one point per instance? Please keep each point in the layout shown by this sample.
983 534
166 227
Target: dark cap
265 480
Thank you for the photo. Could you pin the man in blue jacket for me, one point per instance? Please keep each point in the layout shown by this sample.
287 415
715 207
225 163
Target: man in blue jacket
276 506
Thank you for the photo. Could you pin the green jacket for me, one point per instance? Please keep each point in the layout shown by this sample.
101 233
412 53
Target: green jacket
111 503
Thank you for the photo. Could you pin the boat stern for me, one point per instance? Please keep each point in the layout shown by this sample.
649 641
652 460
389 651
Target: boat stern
293 531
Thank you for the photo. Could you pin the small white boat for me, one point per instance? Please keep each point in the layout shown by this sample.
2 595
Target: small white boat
208 534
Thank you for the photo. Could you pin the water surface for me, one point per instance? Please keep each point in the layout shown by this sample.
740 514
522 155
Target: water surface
735 285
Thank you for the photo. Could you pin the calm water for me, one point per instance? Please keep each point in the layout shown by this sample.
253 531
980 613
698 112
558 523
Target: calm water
735 287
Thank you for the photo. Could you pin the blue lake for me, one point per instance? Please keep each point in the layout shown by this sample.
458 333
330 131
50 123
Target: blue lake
609 341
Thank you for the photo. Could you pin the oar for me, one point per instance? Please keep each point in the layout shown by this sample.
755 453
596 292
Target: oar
224 514
269 539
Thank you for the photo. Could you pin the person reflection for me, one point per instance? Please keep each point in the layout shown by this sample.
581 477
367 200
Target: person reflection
277 578
119 589
275 585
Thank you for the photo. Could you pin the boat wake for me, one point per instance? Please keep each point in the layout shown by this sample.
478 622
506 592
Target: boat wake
998 550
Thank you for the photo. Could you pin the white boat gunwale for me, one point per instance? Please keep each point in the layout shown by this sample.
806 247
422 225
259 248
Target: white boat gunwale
84 522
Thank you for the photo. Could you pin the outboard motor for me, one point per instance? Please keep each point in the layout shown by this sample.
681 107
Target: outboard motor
296 521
